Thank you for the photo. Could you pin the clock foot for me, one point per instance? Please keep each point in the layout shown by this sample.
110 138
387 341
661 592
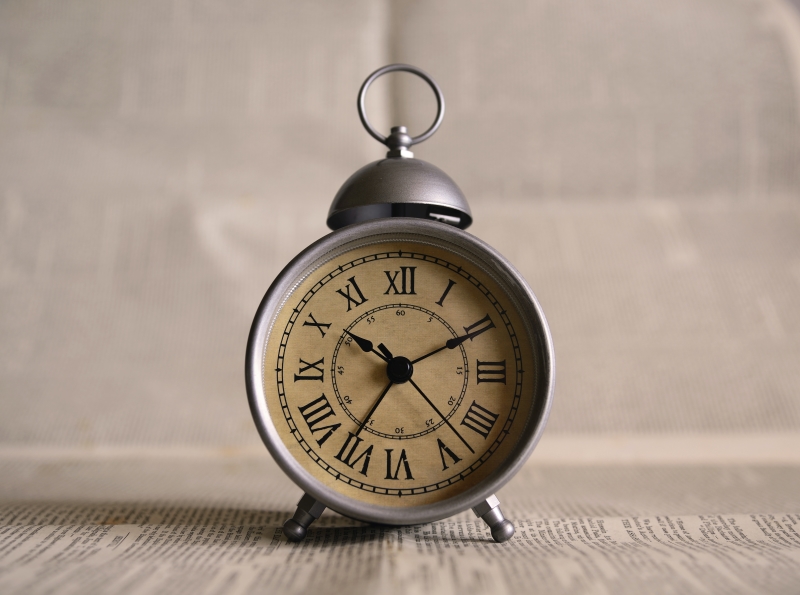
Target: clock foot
308 511
489 511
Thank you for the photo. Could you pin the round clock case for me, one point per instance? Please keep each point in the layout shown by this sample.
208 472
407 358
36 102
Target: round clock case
400 370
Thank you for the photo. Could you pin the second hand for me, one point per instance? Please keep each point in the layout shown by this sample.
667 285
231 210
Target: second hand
444 419
374 407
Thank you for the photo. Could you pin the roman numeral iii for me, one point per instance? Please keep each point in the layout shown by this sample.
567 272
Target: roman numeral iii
479 419
356 301
315 413
406 275
346 456
491 372
310 371
403 461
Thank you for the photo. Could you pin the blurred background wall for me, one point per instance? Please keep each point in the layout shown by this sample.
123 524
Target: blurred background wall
161 161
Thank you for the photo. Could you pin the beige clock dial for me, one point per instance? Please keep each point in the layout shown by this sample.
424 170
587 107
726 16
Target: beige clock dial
399 373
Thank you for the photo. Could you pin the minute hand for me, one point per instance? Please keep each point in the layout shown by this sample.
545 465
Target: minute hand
453 343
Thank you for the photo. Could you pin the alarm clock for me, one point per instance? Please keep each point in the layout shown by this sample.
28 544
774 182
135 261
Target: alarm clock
400 370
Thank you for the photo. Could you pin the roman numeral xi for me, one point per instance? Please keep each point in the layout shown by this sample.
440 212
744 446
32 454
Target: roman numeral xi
352 301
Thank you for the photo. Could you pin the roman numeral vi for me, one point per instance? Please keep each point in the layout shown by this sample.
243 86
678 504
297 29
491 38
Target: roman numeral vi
403 461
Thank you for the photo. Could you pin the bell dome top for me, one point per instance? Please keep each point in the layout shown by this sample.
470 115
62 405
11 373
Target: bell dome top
399 186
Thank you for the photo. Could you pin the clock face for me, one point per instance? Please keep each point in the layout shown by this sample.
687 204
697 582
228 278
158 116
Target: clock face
400 373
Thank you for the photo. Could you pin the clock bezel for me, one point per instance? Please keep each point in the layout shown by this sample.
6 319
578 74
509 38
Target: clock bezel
489 262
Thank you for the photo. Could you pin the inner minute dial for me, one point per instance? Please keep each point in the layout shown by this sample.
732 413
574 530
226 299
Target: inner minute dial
400 333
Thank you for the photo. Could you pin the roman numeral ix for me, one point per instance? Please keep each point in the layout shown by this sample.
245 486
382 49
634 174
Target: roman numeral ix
491 372
479 419
347 457
315 413
403 461
313 371
345 293
406 275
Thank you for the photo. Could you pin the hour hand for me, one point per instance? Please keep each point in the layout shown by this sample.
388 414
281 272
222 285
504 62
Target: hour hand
364 344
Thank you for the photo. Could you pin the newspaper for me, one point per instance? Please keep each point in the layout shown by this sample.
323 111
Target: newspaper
120 550
212 523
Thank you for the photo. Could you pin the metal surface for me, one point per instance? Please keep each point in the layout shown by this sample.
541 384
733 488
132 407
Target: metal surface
399 138
399 188
308 511
489 511
491 264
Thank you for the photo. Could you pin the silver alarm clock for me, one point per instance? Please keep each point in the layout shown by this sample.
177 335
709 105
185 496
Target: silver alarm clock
400 370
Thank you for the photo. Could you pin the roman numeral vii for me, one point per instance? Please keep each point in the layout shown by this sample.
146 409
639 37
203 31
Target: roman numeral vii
346 456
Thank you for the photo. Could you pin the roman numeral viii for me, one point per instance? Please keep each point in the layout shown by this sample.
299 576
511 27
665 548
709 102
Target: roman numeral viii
491 372
406 275
315 413
479 419
311 371
346 456
356 301
403 461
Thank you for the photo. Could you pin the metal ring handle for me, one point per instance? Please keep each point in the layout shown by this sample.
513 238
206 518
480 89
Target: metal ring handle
362 96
